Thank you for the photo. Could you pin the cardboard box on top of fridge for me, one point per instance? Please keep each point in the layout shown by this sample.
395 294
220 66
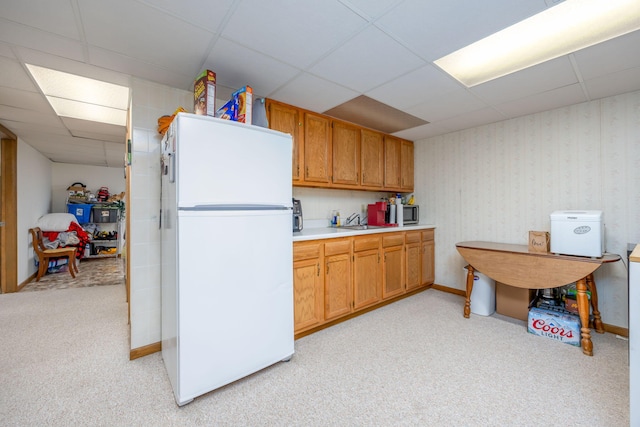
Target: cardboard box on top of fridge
578 233
559 326
244 97
239 108
204 94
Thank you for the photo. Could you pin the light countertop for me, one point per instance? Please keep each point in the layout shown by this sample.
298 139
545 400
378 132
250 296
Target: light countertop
333 233
634 257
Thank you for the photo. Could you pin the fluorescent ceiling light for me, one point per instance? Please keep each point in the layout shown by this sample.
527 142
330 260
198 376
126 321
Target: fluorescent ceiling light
559 30
81 97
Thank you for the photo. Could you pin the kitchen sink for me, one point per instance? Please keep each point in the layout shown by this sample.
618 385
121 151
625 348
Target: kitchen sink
359 227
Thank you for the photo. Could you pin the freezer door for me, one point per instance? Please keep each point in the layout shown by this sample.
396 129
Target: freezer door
235 295
224 162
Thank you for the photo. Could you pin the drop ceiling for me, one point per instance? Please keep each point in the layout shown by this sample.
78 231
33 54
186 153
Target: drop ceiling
316 54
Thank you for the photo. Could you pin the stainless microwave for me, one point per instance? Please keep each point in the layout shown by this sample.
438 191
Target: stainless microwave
410 214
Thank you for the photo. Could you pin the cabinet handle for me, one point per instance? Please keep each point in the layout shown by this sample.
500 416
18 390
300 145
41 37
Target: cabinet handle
306 172
318 269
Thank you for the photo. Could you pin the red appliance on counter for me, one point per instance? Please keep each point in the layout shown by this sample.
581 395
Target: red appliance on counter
377 215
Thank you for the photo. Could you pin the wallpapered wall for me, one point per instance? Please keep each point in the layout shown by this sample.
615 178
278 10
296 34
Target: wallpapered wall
497 182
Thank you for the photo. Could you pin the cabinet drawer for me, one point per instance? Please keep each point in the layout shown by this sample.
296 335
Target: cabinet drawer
393 240
366 243
306 251
427 235
337 247
412 237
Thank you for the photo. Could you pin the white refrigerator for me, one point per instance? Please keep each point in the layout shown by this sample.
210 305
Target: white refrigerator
227 255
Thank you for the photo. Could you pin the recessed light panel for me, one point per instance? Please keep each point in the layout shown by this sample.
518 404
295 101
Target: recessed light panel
565 28
81 97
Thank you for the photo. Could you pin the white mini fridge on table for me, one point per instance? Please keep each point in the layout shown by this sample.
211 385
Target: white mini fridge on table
227 252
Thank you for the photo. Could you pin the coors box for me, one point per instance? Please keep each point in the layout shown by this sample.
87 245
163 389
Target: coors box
204 94
562 327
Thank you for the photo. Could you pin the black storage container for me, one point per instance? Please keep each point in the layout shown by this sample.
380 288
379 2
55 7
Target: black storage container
104 215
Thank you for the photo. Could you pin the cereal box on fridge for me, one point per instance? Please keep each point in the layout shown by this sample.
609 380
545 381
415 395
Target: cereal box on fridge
244 102
559 326
204 94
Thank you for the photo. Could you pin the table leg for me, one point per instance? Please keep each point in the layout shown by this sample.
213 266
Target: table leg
583 311
597 319
467 301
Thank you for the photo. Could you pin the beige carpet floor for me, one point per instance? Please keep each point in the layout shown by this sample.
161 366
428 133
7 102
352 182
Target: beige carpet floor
417 362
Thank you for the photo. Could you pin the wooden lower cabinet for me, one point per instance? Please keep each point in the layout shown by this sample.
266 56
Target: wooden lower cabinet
392 265
428 257
308 286
334 278
337 279
413 260
367 274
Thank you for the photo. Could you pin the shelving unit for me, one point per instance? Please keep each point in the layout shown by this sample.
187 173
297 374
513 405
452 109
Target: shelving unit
102 222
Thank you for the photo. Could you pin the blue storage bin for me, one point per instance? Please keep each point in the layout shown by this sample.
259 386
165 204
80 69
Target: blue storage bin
81 211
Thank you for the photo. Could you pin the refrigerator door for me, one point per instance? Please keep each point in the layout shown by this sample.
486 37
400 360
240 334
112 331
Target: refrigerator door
229 163
235 296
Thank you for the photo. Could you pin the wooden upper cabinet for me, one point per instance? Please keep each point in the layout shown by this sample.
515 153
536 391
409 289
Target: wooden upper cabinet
406 165
317 148
345 140
372 159
392 162
287 119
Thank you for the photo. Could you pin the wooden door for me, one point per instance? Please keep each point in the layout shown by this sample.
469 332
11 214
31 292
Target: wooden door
366 278
371 159
317 148
392 265
413 260
286 119
428 256
345 140
307 294
392 161
406 165
337 290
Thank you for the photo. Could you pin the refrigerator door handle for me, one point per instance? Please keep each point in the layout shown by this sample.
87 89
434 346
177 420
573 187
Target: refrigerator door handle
247 207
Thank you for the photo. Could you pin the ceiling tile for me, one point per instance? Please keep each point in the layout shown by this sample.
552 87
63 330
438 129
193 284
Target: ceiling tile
53 16
204 13
614 84
605 58
298 33
471 119
435 28
422 132
24 100
235 66
14 76
540 78
352 65
370 9
451 104
427 82
556 98
28 116
144 33
34 38
312 93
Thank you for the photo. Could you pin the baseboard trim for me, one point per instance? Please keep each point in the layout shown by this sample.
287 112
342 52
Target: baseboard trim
146 350
450 290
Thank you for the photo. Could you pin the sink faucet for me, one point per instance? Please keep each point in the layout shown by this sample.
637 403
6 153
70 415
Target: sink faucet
352 217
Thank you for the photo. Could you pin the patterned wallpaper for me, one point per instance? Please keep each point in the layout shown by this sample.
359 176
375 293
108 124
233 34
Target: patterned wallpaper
496 182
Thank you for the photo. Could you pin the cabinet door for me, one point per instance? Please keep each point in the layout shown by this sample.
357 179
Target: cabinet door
372 159
345 140
393 271
317 152
337 291
366 278
413 260
428 262
286 119
392 161
307 294
406 164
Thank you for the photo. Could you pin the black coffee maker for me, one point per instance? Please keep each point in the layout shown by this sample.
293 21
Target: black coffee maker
297 215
